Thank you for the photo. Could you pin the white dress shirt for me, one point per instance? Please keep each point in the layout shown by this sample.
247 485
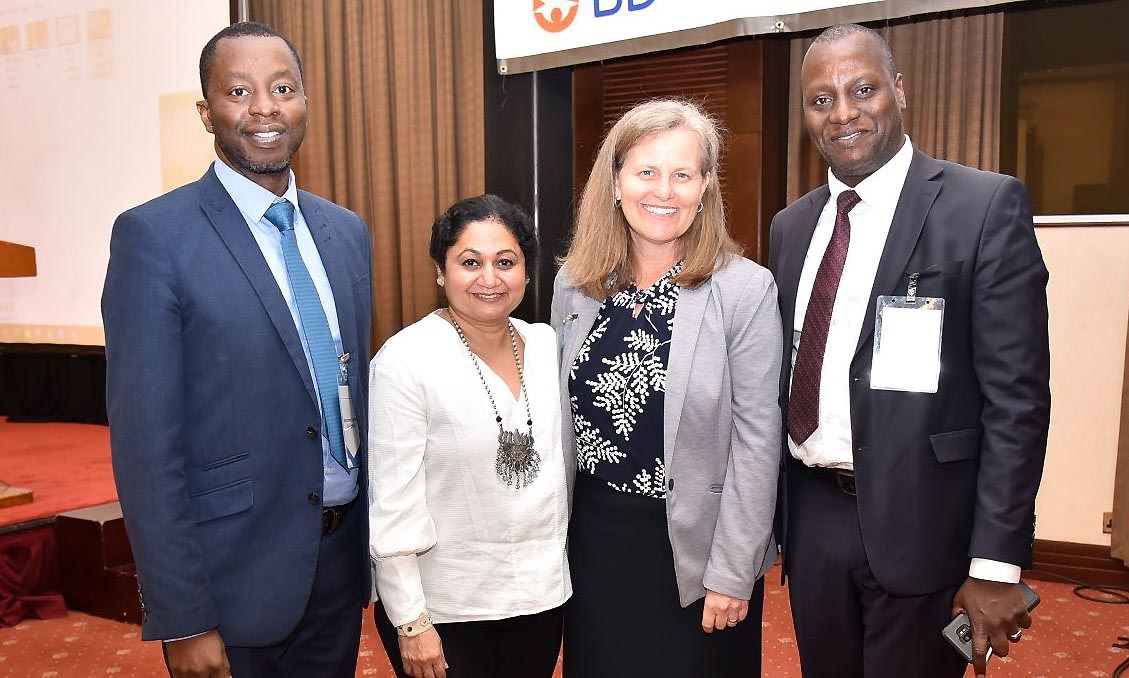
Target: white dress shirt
831 444
446 533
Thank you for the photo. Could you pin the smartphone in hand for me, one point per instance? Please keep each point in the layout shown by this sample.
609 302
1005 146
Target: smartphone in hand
959 631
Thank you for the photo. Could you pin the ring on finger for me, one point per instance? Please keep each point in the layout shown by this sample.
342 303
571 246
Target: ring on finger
1014 637
730 622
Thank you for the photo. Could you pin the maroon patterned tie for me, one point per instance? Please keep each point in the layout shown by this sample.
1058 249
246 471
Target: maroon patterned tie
803 404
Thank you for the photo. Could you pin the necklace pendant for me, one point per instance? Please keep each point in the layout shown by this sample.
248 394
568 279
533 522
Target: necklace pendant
517 460
517 463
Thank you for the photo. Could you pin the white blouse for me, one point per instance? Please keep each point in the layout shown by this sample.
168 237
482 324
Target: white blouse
445 532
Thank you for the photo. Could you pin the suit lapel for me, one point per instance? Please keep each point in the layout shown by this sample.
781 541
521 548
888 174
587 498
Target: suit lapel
793 252
687 324
335 261
585 308
923 183
582 311
232 229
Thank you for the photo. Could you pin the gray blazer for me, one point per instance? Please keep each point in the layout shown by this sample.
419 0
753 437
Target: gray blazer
721 423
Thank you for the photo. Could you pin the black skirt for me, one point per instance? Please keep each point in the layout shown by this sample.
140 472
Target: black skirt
624 619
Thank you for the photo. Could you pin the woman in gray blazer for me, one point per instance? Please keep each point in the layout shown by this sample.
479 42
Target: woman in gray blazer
670 358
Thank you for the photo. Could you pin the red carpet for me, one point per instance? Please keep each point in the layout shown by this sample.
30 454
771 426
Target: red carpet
1071 639
67 465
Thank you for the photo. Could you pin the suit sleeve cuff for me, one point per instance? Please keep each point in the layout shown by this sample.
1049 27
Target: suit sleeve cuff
994 570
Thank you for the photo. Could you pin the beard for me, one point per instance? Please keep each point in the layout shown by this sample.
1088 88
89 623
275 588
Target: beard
243 162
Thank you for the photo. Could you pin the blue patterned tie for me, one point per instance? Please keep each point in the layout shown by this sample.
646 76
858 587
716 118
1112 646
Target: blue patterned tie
319 340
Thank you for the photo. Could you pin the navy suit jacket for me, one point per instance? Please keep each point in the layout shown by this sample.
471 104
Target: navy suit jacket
945 477
213 414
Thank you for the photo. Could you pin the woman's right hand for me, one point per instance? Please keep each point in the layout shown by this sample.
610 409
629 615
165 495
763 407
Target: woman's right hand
423 655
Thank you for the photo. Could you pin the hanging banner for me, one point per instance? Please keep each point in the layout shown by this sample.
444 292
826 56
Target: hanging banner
533 35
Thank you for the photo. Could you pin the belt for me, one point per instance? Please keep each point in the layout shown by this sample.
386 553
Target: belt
333 516
844 479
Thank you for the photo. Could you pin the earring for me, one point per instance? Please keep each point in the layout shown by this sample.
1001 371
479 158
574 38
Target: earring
701 206
439 282
616 202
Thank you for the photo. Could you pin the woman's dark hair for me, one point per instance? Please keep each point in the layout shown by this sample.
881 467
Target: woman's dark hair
450 225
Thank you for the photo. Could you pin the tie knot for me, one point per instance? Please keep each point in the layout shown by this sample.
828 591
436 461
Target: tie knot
281 215
847 200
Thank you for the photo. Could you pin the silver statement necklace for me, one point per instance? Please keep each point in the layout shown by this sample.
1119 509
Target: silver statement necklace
517 462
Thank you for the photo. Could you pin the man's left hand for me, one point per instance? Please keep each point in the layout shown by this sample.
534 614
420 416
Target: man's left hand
996 610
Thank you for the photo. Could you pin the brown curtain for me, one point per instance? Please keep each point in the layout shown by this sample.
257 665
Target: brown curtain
395 129
950 68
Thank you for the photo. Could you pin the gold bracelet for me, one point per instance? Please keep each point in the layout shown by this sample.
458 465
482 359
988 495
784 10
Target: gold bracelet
416 627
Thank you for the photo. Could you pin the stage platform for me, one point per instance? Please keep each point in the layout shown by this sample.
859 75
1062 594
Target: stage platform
70 539
67 466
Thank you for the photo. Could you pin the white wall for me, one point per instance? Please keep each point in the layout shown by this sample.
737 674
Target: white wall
1088 297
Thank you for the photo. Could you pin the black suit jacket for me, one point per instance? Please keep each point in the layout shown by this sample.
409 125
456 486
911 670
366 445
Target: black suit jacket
945 477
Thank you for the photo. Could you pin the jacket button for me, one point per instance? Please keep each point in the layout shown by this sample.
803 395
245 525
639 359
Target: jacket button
314 498
311 432
670 484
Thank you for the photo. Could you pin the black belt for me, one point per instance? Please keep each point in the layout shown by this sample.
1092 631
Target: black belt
844 479
333 516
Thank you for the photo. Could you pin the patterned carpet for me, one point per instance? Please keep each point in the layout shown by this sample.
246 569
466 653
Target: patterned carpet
1072 638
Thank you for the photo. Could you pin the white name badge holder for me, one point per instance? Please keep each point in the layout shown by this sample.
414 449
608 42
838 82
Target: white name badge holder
350 432
907 342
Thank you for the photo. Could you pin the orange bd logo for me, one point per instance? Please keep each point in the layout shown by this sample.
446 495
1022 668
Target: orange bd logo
555 15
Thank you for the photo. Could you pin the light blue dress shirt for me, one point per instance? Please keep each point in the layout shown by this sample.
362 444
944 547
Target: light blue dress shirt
253 200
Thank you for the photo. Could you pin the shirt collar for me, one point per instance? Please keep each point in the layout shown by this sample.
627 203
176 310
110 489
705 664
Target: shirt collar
251 198
880 190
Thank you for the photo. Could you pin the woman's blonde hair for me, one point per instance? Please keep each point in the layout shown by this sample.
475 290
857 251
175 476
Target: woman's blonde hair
599 255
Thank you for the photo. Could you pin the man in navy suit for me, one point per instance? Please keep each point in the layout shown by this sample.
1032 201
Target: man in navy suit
910 483
237 338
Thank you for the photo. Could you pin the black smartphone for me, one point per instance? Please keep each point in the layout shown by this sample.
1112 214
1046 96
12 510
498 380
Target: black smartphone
959 631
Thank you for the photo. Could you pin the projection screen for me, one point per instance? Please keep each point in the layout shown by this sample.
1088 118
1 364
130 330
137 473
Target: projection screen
98 115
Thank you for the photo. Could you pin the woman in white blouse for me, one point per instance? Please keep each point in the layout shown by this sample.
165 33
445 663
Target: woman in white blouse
467 498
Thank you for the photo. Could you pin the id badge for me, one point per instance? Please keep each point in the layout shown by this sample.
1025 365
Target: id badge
350 432
907 342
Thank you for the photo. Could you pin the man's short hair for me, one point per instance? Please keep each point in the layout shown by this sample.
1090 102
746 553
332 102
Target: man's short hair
840 31
239 30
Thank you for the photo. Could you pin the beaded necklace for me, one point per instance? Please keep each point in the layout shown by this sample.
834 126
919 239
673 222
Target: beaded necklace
517 462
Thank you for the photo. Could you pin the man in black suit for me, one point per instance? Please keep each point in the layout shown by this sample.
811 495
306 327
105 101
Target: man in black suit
910 477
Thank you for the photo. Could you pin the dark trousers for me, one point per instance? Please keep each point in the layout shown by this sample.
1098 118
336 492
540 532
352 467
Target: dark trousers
847 626
326 640
525 646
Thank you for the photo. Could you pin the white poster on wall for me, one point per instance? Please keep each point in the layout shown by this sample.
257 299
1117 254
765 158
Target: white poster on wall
535 34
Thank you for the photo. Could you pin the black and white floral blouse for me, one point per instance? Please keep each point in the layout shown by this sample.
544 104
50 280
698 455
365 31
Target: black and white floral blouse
618 384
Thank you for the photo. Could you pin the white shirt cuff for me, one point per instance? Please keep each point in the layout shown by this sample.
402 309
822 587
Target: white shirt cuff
194 635
994 570
401 588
